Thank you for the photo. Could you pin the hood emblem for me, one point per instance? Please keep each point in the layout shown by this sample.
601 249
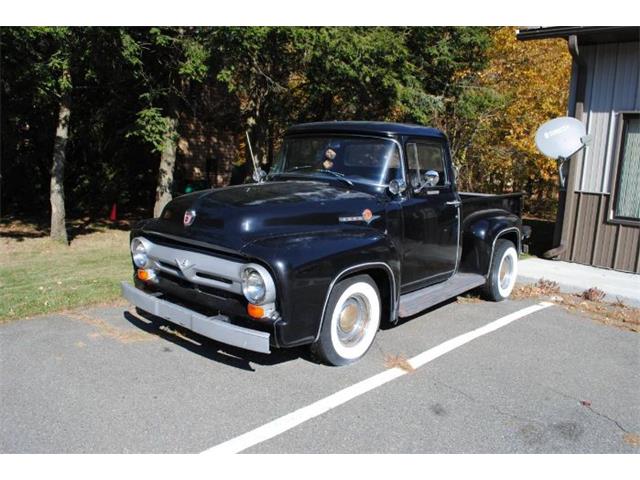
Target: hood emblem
189 217
184 265
367 217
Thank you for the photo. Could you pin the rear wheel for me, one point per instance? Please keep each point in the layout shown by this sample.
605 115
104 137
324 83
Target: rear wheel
350 322
503 272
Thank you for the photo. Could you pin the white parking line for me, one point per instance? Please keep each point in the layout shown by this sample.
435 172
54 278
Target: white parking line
291 420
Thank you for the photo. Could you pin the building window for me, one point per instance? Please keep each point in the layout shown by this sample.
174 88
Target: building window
627 193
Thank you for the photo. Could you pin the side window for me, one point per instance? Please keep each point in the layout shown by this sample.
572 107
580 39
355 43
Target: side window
424 156
627 196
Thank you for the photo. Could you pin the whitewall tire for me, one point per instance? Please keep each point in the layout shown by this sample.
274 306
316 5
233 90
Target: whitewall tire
351 321
503 271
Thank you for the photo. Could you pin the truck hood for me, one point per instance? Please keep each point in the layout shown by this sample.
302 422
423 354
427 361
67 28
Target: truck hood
234 217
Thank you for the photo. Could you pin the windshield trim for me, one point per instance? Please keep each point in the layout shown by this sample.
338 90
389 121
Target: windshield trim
347 135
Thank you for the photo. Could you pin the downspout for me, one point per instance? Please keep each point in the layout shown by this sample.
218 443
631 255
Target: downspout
581 87
582 77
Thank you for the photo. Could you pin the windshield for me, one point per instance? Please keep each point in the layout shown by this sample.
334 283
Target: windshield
355 159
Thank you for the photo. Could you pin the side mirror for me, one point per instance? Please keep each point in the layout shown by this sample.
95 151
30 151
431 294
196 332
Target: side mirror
396 187
431 178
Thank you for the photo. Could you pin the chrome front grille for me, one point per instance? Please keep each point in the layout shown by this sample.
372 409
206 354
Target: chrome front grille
198 268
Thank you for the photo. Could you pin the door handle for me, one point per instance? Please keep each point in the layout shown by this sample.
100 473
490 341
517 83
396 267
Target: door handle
455 203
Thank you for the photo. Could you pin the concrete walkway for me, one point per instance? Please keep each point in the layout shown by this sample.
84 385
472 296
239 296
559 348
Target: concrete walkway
577 278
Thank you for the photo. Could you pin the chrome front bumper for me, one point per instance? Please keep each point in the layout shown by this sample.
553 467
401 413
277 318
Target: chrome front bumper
216 328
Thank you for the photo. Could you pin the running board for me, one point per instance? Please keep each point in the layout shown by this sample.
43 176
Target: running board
414 302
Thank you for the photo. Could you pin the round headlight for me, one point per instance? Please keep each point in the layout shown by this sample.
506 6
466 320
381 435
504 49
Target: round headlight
139 253
140 259
253 285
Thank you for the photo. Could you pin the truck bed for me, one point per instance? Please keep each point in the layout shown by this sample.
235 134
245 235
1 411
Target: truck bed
474 202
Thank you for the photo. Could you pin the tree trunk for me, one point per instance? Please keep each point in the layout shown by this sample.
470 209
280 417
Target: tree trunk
58 227
167 167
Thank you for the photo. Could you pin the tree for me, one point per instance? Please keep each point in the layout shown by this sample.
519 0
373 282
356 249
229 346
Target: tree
351 73
256 66
45 75
136 89
533 79
444 91
60 65
283 75
165 61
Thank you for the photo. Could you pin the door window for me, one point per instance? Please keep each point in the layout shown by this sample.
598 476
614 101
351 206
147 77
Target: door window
424 156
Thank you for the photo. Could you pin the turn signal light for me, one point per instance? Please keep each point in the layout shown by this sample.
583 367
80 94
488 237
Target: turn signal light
145 275
255 311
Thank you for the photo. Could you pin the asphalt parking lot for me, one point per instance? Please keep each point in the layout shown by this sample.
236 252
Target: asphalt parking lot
105 380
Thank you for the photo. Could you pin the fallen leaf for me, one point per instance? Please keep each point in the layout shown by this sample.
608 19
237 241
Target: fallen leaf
632 439
398 361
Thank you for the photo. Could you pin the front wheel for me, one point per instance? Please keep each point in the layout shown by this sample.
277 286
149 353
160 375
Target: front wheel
503 272
351 321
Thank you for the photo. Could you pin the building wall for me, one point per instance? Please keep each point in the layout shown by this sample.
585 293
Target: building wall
206 152
612 86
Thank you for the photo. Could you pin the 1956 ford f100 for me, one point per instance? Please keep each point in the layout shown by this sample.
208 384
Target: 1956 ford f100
357 223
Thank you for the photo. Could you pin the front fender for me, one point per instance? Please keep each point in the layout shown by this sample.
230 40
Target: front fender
305 267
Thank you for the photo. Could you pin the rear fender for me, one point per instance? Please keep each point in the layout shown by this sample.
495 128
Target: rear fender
480 233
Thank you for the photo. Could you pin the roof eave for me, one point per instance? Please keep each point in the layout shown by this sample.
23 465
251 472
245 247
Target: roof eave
541 33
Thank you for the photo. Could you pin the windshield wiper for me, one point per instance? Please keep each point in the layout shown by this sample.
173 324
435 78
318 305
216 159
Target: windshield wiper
301 167
338 175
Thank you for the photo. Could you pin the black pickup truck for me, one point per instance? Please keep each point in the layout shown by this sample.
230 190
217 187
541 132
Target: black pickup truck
357 223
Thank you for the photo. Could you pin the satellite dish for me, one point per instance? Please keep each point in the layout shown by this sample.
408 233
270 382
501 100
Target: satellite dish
561 137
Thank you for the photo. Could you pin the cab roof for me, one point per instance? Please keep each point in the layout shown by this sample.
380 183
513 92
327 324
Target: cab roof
371 128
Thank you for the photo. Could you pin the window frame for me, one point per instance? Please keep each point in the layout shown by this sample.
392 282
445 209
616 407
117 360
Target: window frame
622 118
393 139
429 141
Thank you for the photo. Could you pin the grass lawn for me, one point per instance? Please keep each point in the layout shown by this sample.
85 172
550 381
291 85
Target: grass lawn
40 276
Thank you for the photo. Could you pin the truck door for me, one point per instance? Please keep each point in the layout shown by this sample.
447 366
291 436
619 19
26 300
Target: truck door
430 236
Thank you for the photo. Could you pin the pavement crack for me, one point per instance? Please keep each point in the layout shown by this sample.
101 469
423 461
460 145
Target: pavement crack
492 406
587 405
613 420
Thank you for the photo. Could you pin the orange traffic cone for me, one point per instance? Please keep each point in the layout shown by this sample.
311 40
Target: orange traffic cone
113 216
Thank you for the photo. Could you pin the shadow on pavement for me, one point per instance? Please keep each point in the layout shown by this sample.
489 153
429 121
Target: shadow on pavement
210 349
38 227
402 320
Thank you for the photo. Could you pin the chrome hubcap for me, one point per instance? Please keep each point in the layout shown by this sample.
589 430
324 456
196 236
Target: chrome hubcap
506 272
353 320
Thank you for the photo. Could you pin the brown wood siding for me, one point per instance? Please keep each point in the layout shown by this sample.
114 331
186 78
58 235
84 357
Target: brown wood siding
605 244
594 241
586 223
627 249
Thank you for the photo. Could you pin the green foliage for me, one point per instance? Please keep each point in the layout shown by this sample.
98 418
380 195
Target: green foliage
476 101
153 128
194 65
131 51
282 75
353 72
126 84
164 61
